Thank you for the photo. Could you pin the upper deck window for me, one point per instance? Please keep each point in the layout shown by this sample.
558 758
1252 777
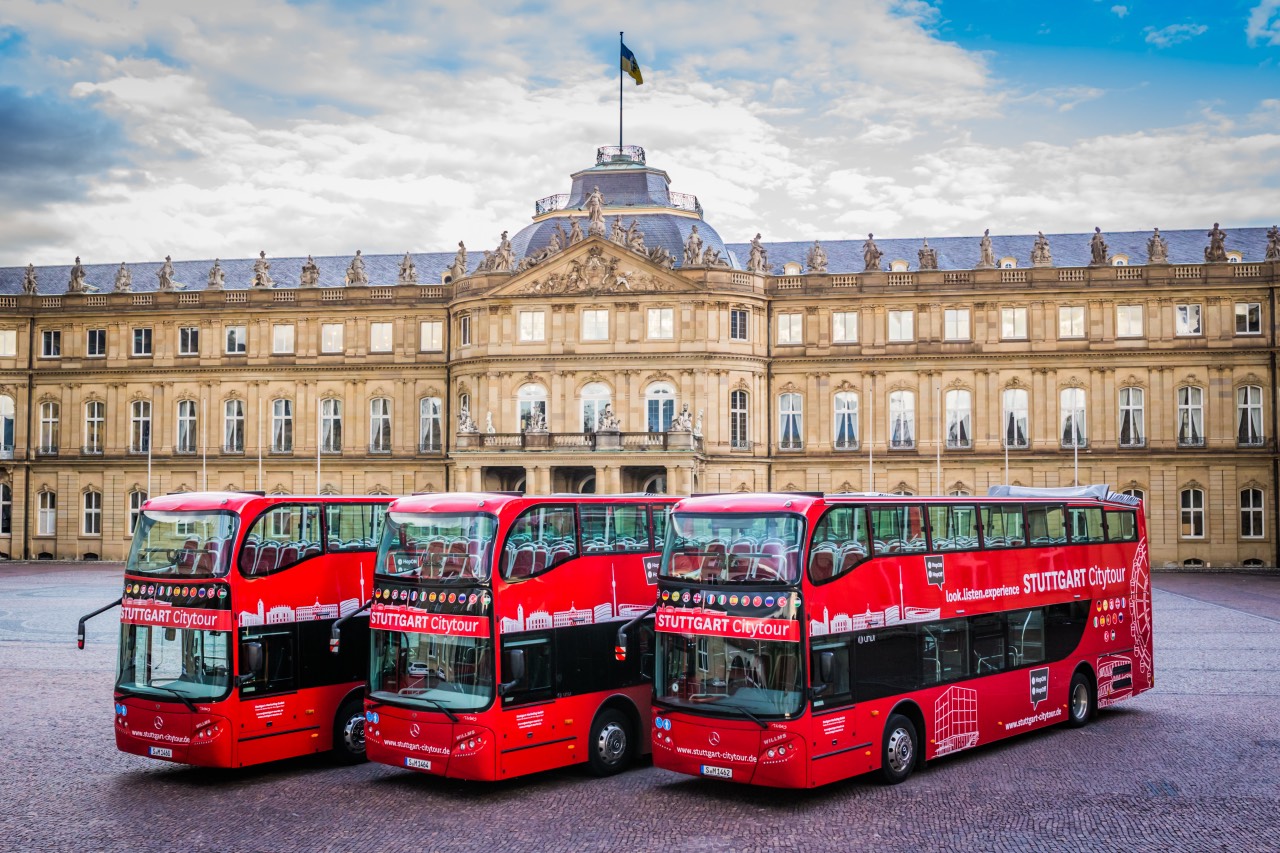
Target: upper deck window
735 547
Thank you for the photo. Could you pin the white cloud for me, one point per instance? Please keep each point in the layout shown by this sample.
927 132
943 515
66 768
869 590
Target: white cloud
1174 34
1120 11
1264 24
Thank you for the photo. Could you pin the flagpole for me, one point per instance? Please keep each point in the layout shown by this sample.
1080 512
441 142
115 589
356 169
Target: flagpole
619 92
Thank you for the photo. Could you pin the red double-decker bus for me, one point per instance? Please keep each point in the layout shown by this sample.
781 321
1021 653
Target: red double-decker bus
493 624
803 639
229 599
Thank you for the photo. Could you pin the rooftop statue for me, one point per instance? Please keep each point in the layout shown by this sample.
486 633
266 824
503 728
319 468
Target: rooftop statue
928 256
488 423
355 271
1157 249
817 260
556 242
1215 252
758 259
124 279
618 234
575 231
537 421
871 254
310 273
608 421
408 271
76 284
635 238
660 256
504 260
465 424
1097 249
29 280
1040 254
693 248
458 269
595 213
1273 244
683 421
711 258
986 254
262 271
165 274
216 278
486 263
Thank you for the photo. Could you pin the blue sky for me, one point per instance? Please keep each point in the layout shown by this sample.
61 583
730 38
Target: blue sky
139 128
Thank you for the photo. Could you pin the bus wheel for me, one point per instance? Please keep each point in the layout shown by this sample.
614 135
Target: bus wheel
1079 701
898 753
348 732
610 744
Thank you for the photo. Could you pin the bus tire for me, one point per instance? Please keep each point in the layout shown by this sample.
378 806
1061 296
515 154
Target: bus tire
1081 701
348 732
899 750
611 744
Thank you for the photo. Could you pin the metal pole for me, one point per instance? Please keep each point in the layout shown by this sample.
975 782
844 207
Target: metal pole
148 458
319 439
619 92
259 442
204 442
871 439
937 462
1075 444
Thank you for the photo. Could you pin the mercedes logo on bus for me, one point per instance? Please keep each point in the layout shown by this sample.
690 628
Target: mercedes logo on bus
714 738
414 730
159 723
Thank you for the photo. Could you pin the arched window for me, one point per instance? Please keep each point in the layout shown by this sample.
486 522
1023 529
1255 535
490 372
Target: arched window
1190 416
660 406
1251 515
379 425
188 441
1074 430
47 514
136 499
739 437
50 420
790 421
8 420
281 426
1249 416
959 411
95 421
1016 418
1132 417
6 508
531 406
429 413
233 426
595 396
1192 513
656 484
902 419
845 429
92 523
139 426
331 425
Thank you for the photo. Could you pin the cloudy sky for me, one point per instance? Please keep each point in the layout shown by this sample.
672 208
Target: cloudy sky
131 129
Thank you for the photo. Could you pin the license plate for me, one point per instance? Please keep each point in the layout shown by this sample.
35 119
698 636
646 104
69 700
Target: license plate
417 763
160 752
717 772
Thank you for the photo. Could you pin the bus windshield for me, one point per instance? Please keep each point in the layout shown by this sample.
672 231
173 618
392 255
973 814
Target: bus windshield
187 544
174 664
729 676
438 546
734 547
433 671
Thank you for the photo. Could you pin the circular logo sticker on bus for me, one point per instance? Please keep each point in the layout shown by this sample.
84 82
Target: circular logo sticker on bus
733 599
757 601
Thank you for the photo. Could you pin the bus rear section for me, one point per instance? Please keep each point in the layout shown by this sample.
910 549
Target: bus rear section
494 624
927 626
226 612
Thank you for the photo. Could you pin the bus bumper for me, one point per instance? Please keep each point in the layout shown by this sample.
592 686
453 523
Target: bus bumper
155 730
429 743
731 750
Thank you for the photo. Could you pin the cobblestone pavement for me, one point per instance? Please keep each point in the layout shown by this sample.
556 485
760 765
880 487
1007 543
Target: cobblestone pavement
1191 765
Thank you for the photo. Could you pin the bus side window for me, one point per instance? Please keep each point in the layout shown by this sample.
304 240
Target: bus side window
539 670
988 644
1122 525
944 651
830 671
278 673
660 512
1086 525
1047 525
952 527
840 542
1025 638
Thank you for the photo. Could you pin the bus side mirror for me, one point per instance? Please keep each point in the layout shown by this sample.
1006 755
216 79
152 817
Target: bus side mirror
825 671
251 660
513 666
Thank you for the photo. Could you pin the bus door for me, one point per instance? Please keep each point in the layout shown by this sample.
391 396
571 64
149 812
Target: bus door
275 721
533 736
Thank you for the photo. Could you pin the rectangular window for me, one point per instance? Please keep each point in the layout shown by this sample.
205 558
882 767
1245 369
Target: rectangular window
1025 638
189 340
1071 321
95 420
142 342
790 422
533 326
431 336
47 519
1002 526
959 415
429 409
282 339
1132 426
844 327
1190 416
1187 320
331 337
595 324
1248 318
790 329
380 425
1251 514
281 426
955 324
738 324
8 343
902 326
186 427
945 651
93 513
1128 321
96 343
1013 324
1249 416
662 324
237 340
51 343
380 337
464 330
1192 513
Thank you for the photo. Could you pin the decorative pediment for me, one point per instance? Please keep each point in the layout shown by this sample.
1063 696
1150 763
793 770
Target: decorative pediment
846 486
1015 382
659 377
1132 381
530 379
1192 484
959 487
903 488
740 385
956 385
1190 379
1251 378
790 388
431 391
903 385
594 267
1251 484
1071 382
790 487
233 394
846 385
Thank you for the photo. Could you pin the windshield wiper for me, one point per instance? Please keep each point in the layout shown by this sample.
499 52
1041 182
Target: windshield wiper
181 698
759 722
446 711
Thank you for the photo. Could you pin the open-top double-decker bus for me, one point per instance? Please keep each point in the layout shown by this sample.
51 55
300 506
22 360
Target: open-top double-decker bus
493 624
225 619
803 639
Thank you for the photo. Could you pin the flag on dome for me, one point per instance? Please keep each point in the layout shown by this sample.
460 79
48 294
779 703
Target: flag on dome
630 65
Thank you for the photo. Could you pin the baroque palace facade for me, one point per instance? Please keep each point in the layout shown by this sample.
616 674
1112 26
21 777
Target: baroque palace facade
616 343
